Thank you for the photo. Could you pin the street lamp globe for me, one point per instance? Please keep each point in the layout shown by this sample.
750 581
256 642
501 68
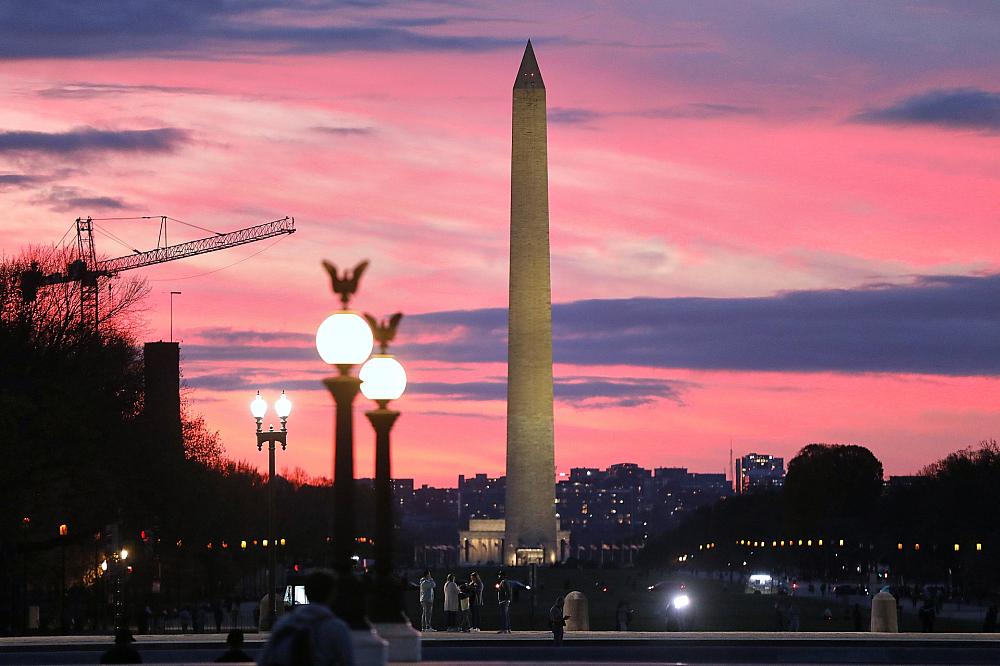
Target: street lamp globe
283 407
344 338
258 407
382 378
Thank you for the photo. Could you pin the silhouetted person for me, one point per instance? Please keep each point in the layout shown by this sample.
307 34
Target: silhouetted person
990 622
927 614
503 601
217 612
557 621
475 600
122 652
781 609
452 603
623 615
142 619
234 649
427 586
185 618
859 624
311 634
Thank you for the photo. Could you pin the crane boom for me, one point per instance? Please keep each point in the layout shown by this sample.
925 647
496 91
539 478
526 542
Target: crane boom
285 225
86 270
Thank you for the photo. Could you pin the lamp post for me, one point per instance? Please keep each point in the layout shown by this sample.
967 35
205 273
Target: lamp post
383 379
258 408
344 340
118 557
63 533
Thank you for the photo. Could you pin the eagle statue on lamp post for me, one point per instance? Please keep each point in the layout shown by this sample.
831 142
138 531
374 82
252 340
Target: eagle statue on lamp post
385 331
345 285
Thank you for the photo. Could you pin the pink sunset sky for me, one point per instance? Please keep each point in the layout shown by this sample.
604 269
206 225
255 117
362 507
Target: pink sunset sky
771 222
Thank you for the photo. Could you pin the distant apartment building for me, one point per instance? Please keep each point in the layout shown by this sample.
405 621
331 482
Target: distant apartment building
759 471
605 515
480 496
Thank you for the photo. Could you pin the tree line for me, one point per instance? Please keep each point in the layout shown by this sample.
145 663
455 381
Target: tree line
835 517
78 453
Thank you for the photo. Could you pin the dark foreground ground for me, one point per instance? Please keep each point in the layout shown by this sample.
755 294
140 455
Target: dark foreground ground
580 648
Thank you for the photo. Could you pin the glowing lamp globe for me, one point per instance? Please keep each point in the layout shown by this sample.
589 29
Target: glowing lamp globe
382 378
258 407
344 338
283 407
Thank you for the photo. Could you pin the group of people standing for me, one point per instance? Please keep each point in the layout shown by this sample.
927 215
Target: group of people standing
463 602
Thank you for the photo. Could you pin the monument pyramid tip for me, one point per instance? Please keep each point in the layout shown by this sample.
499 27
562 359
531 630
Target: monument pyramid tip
528 75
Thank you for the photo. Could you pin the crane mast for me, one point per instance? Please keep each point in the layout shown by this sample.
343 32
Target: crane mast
88 271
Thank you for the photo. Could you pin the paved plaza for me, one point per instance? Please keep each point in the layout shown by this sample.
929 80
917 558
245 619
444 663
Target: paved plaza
580 648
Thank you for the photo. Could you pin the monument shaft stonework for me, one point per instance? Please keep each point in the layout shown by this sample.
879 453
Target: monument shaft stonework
530 530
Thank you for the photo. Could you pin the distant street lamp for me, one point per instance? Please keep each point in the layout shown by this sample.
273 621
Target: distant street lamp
63 533
258 408
118 558
383 379
344 340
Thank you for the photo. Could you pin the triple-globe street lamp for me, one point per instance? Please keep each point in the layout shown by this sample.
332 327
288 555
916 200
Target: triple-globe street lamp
258 408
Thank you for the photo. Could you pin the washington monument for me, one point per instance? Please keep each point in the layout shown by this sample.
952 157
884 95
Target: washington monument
530 528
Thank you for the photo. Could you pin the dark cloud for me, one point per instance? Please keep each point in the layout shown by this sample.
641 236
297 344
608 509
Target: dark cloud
584 392
238 381
66 199
92 90
242 337
248 352
936 325
216 28
697 110
19 180
89 139
596 392
344 131
700 110
945 325
962 108
573 115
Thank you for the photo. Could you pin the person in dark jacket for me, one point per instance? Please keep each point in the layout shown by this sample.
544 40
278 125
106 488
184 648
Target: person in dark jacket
122 652
475 600
311 634
990 621
503 600
926 614
234 652
557 621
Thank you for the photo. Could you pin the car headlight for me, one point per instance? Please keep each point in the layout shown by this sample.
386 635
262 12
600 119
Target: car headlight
681 601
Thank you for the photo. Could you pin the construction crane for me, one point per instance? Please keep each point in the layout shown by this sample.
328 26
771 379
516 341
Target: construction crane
88 271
